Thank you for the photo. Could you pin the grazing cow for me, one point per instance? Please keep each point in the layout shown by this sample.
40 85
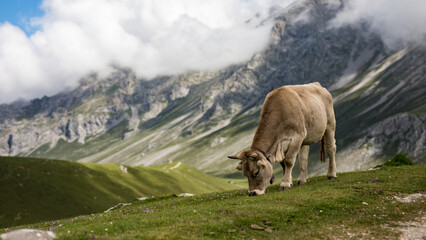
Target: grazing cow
292 118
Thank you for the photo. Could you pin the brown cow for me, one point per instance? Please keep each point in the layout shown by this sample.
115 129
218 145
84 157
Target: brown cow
292 118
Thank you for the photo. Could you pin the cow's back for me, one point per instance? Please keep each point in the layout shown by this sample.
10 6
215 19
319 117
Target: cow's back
316 103
295 110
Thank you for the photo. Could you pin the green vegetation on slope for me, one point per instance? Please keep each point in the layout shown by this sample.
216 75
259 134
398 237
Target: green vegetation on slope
75 150
358 204
35 190
399 160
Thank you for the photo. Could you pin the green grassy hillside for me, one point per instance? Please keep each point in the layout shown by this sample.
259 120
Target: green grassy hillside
356 205
35 190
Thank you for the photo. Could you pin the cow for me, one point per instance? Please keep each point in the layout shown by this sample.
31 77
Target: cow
292 118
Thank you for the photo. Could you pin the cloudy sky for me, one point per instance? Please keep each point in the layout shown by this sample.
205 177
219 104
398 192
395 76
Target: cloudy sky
48 46
399 22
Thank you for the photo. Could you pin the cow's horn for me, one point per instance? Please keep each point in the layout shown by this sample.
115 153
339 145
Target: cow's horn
233 157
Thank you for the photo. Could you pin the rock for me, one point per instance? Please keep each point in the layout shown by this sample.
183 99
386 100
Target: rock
256 227
28 234
217 141
278 31
186 195
120 205
410 198
405 132
123 169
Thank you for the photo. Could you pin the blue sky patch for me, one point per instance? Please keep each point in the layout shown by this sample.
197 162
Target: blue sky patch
19 13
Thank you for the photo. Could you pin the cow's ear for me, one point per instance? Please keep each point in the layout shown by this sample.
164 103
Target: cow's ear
254 156
239 166
261 163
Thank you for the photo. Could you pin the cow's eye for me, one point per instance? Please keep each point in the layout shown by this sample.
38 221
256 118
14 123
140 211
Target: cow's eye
256 173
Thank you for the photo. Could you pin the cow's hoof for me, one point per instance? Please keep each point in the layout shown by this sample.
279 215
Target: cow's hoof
301 182
331 177
284 188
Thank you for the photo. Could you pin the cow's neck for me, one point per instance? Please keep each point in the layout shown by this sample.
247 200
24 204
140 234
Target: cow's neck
262 145
273 144
275 150
263 153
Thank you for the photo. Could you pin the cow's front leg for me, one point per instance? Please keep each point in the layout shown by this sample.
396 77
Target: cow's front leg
303 162
283 166
287 181
290 158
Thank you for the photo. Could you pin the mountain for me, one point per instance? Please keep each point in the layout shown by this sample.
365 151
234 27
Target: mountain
200 117
36 190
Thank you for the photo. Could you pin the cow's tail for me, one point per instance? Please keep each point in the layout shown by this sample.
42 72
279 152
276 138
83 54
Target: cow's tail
322 151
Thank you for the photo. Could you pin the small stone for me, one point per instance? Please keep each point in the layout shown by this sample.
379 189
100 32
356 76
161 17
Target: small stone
257 227
186 195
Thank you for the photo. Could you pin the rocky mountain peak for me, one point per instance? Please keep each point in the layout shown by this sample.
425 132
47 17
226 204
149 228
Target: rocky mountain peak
200 117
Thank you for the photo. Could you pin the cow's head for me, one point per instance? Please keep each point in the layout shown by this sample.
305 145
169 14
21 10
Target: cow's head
257 169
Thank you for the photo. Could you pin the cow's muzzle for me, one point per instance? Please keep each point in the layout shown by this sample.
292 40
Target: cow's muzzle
251 194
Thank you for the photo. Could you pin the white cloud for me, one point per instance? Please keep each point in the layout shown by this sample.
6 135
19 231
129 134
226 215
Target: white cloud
153 37
399 23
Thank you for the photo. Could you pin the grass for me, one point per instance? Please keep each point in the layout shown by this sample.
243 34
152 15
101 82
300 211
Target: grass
358 204
399 160
35 190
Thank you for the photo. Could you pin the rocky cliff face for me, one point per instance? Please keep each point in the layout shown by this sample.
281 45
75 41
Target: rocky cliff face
200 117
401 133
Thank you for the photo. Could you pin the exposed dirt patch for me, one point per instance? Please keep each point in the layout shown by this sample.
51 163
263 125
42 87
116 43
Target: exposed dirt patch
377 191
415 229
373 180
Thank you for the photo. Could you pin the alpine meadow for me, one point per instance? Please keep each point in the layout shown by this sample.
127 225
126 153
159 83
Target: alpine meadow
130 129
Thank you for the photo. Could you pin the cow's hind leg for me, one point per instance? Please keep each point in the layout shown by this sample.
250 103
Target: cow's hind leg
330 143
303 162
290 158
